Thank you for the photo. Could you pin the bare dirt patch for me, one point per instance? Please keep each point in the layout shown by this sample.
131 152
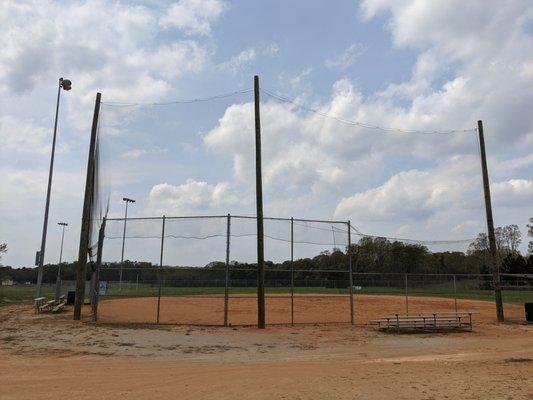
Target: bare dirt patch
51 356
209 310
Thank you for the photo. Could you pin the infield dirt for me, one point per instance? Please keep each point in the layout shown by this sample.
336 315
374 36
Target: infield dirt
51 356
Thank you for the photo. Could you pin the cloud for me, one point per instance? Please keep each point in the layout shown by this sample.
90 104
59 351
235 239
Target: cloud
22 137
246 57
134 154
346 58
112 47
194 17
301 152
418 194
513 193
514 164
191 197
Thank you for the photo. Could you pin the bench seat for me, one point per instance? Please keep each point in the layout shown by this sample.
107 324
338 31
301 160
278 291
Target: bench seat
432 321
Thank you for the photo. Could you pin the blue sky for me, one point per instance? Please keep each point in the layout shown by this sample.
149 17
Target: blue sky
409 65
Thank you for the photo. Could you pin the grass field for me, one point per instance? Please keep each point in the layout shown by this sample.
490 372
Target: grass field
26 293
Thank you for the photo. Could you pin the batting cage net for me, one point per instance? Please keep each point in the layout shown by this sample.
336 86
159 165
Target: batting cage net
176 160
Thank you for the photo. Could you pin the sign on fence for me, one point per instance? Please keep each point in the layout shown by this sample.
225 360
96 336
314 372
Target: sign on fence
102 288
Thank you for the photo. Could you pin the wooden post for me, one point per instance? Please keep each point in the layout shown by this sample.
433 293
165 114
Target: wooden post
86 216
226 285
455 293
160 267
259 203
406 297
292 271
490 227
350 271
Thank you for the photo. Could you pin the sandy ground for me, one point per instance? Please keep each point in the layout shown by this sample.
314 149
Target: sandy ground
242 310
51 356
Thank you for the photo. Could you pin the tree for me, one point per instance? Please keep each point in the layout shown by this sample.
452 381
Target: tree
480 244
3 249
512 237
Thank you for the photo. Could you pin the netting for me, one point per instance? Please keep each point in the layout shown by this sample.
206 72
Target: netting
211 262
181 159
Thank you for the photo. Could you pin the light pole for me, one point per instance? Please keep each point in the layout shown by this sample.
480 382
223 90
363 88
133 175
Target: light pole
64 84
58 278
126 200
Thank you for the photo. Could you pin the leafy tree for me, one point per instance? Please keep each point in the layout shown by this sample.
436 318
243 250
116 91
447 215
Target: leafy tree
3 249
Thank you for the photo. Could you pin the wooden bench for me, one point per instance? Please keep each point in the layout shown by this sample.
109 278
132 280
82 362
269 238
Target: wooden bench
58 307
426 322
39 302
42 305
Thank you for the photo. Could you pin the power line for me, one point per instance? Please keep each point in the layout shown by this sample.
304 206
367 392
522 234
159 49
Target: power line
186 101
364 124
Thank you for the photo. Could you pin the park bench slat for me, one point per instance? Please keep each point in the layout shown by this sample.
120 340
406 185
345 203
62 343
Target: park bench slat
432 321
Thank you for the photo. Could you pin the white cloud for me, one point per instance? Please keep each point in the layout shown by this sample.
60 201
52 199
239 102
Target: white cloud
513 193
297 81
246 58
134 154
514 164
191 197
347 58
170 61
20 136
107 46
194 17
239 61
419 195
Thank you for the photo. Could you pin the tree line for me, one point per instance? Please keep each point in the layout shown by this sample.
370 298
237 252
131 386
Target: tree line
369 254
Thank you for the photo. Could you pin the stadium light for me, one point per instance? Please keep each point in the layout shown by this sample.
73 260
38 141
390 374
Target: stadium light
64 84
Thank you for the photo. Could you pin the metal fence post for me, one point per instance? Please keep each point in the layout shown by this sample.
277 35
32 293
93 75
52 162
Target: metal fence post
455 293
292 271
406 297
160 267
100 248
349 251
226 286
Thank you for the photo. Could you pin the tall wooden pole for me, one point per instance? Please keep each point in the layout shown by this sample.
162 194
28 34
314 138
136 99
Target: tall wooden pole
226 282
259 202
86 216
292 271
160 268
350 271
490 227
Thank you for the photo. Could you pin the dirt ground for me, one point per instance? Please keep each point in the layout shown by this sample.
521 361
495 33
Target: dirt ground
50 356
242 309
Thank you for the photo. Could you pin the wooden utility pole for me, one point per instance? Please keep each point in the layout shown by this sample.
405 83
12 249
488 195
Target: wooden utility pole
259 202
86 216
490 227
226 280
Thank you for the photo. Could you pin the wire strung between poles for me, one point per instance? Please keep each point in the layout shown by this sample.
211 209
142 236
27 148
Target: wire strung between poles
186 101
364 124
413 241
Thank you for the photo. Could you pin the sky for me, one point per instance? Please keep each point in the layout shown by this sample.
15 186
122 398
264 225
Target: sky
408 65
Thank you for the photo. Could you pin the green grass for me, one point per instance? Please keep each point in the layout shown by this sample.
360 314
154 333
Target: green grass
514 296
20 294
